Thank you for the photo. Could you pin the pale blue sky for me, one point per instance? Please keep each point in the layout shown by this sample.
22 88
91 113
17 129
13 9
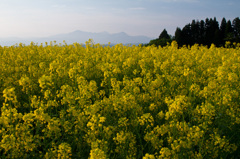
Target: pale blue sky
39 18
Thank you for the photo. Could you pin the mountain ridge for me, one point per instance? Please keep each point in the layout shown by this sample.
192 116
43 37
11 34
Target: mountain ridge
80 37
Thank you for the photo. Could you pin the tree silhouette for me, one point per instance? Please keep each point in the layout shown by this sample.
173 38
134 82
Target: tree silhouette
236 29
187 35
223 30
164 35
208 32
203 32
178 36
195 29
229 32
163 39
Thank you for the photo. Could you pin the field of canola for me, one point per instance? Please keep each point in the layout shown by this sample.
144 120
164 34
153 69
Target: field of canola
75 101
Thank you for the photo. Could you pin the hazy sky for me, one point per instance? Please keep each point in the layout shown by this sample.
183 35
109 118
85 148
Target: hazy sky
39 18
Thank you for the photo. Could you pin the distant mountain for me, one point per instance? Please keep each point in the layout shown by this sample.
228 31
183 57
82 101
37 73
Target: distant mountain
81 37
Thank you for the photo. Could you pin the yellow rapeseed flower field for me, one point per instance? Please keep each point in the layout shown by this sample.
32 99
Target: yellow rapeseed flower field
96 101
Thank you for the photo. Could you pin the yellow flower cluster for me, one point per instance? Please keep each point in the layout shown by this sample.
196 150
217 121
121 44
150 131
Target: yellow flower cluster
97 101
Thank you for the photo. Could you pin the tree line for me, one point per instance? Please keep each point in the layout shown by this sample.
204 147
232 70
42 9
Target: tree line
202 32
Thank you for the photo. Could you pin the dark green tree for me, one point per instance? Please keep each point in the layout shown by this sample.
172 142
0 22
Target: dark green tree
187 35
160 42
201 32
236 29
178 36
195 28
229 34
164 35
222 31
217 38
163 40
211 31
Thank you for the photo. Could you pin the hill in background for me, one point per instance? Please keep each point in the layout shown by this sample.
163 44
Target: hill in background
80 37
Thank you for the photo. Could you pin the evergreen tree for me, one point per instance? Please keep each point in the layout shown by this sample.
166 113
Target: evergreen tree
222 31
215 32
202 32
228 35
164 35
211 27
223 25
236 29
187 35
195 31
178 36
217 38
163 40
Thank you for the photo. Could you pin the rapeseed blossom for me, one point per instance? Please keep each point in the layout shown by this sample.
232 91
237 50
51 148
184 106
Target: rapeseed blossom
94 101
